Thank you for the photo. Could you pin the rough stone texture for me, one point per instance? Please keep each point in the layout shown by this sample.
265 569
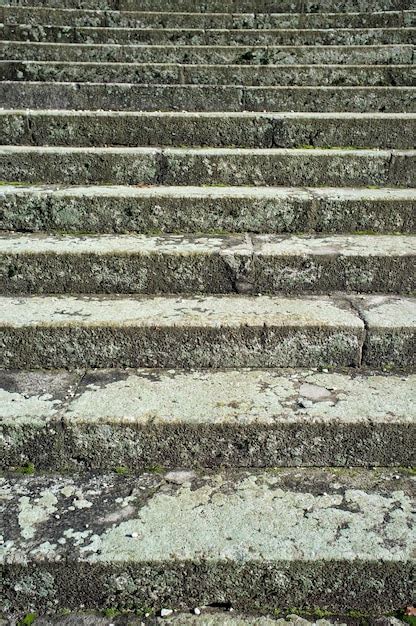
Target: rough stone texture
207 418
385 343
208 617
211 55
165 73
211 37
137 19
339 540
206 209
255 130
209 166
190 264
221 55
186 332
128 97
229 6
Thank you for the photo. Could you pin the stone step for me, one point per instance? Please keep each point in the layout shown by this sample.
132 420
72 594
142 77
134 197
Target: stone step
245 130
209 166
180 36
138 19
213 55
206 209
228 6
207 331
172 73
269 264
136 419
254 539
214 98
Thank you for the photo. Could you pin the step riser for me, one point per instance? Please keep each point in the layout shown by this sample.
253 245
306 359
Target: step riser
131 346
57 17
216 272
115 212
141 447
212 37
261 75
364 55
138 530
18 128
83 96
143 418
204 167
229 6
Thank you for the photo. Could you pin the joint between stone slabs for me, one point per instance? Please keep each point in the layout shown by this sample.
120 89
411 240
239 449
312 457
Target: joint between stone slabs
162 167
312 211
363 345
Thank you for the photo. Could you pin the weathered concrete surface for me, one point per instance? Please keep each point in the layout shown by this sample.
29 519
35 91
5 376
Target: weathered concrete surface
129 97
221 55
173 73
339 540
383 317
207 418
206 209
138 19
193 264
220 331
255 130
210 37
209 166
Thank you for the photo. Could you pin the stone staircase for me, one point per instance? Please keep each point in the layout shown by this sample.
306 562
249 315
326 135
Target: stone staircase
207 269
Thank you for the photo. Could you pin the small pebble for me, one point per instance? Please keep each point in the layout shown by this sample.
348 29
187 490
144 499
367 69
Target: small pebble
166 612
197 611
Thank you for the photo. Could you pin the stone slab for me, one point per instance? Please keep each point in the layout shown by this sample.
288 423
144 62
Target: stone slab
255 130
341 540
130 97
221 331
272 264
209 166
195 36
205 209
173 73
211 55
383 316
136 419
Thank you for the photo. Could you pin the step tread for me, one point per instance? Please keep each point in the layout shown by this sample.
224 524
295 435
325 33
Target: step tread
244 245
189 311
185 191
190 535
138 418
